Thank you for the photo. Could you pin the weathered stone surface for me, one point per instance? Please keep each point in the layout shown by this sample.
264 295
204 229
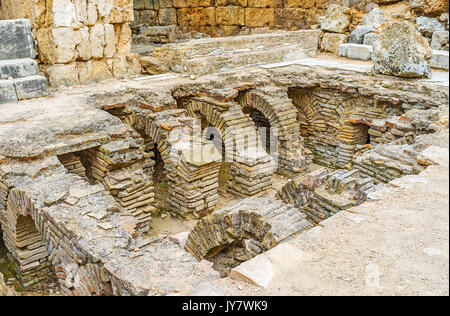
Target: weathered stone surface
370 39
30 87
356 51
335 20
258 271
16 39
332 41
231 15
93 71
439 59
427 26
433 155
64 13
97 39
375 17
153 66
439 40
7 91
401 51
17 68
167 16
429 6
156 34
63 74
357 35
259 17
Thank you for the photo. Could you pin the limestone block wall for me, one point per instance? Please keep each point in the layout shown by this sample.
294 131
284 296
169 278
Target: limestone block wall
79 41
230 17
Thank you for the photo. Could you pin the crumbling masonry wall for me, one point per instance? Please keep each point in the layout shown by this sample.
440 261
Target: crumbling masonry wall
79 41
335 124
231 17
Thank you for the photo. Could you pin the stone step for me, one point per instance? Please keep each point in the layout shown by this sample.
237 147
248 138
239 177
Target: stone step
356 51
236 59
16 39
439 59
18 68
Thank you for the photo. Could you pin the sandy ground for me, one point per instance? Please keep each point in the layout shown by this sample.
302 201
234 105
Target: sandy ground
398 245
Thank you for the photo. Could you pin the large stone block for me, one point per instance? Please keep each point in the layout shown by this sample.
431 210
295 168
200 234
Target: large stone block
357 35
167 16
148 17
93 71
18 68
356 51
16 39
439 59
7 91
332 41
427 26
30 87
402 51
97 39
439 40
161 4
123 38
257 17
144 4
288 18
231 15
375 17
429 6
64 13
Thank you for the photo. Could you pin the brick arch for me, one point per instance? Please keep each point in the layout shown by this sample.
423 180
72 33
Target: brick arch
263 222
23 237
275 105
203 109
144 123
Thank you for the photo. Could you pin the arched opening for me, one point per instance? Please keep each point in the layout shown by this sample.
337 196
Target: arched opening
263 125
212 134
77 163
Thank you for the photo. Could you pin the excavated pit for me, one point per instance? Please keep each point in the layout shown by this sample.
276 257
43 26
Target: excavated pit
335 147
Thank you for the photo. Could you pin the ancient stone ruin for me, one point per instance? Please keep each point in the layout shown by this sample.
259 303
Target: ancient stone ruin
173 147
